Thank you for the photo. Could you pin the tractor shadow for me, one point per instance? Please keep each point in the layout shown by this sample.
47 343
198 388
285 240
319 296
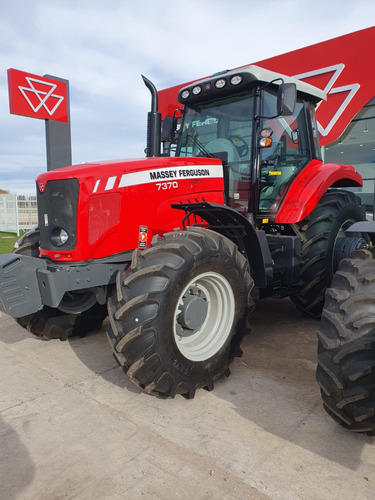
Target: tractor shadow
17 468
273 385
95 352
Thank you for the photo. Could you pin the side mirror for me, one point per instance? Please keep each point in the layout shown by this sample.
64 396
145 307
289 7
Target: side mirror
286 99
168 128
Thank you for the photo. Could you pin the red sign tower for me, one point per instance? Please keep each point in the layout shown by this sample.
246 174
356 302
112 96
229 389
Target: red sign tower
47 98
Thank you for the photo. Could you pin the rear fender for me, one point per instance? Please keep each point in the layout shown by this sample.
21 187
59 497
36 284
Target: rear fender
310 185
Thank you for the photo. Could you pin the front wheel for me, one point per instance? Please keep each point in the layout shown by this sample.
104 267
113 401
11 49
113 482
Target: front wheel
181 312
346 344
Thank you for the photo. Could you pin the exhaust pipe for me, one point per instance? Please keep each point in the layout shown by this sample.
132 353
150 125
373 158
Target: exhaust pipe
153 122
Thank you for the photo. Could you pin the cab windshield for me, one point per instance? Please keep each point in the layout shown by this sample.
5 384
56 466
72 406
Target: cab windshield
223 129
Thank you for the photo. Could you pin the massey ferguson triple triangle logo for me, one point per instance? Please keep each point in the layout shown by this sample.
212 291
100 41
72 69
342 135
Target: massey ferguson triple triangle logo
37 96
342 95
41 96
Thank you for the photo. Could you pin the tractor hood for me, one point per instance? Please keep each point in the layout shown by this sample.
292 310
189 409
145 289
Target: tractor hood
96 210
103 176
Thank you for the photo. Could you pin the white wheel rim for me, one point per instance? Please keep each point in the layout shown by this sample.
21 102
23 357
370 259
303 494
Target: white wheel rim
204 316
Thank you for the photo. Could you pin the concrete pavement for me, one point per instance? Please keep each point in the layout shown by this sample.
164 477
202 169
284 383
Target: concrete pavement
72 426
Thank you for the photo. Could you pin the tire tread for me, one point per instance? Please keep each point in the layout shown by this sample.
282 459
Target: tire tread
346 344
140 295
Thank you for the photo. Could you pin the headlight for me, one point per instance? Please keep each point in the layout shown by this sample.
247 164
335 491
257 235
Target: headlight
59 237
197 90
185 94
236 79
219 84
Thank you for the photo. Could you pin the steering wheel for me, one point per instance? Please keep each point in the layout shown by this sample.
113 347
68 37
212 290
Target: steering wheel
240 144
289 160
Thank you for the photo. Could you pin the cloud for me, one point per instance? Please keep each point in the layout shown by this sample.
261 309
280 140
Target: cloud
102 48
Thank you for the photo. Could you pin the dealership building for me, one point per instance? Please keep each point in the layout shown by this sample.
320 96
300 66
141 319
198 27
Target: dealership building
346 120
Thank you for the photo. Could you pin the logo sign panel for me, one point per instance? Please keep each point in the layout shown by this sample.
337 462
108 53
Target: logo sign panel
341 68
37 96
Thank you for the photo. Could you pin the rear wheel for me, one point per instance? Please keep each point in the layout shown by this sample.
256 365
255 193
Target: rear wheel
346 344
321 235
181 312
78 312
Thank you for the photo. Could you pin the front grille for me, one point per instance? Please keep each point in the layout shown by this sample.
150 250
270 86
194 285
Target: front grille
57 208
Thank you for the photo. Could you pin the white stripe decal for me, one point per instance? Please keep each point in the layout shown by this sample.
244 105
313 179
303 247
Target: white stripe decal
171 174
110 183
96 186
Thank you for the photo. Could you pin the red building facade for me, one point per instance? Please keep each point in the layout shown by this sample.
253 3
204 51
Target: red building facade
342 68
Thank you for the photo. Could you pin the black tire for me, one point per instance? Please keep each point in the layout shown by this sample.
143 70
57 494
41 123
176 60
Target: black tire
320 233
346 344
165 337
50 323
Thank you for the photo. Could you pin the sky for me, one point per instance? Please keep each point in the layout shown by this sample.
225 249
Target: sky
103 46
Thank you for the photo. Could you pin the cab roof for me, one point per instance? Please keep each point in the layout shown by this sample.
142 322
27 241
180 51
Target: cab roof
250 74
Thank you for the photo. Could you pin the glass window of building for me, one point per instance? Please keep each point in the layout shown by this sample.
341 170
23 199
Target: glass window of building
357 147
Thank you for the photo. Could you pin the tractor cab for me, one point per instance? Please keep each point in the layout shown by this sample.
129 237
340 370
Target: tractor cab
260 125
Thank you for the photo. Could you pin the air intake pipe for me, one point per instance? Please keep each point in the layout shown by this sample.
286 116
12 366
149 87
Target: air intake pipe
153 122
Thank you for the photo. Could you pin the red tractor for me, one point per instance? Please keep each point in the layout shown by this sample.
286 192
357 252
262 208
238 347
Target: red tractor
177 246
